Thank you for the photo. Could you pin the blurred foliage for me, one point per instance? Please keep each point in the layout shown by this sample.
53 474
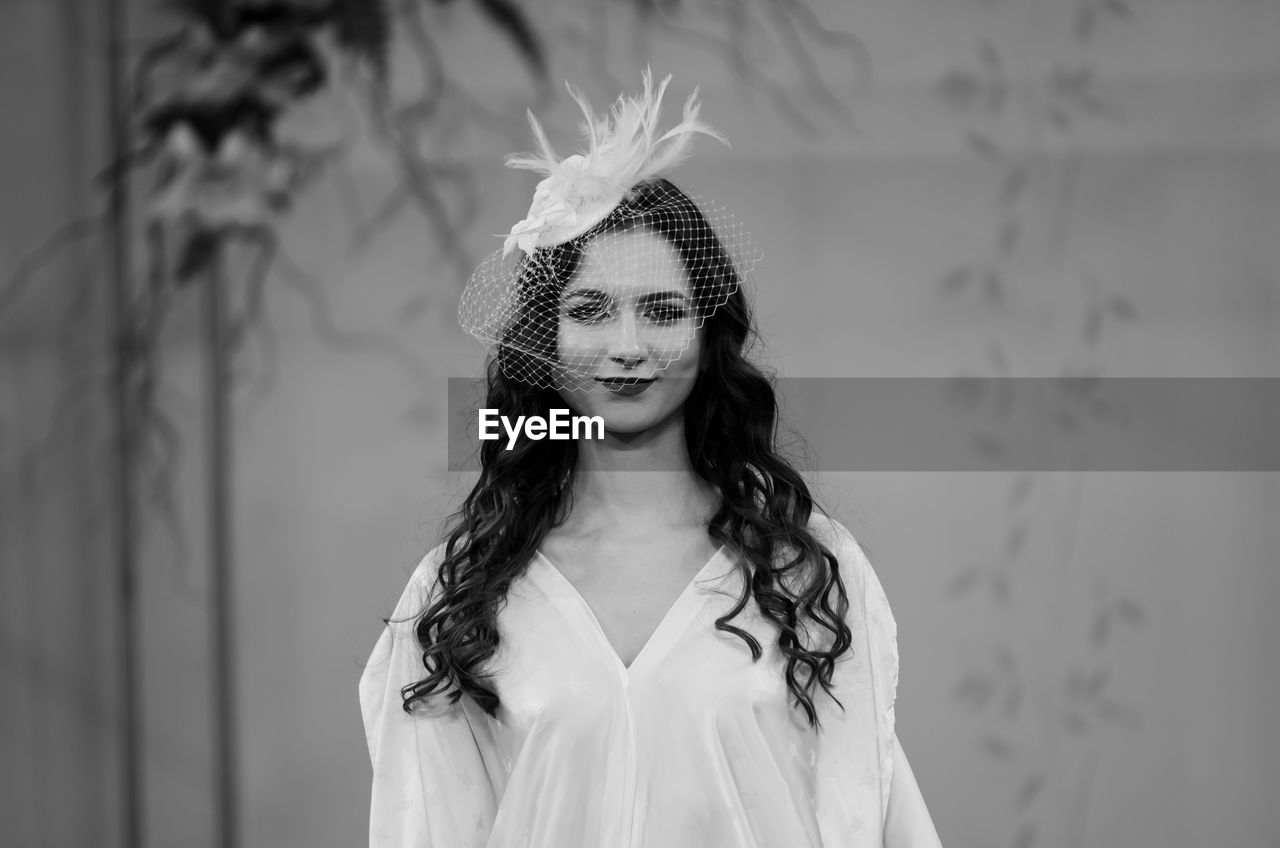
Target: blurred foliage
215 161
1046 726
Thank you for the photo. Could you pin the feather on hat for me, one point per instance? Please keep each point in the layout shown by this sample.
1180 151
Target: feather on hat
623 149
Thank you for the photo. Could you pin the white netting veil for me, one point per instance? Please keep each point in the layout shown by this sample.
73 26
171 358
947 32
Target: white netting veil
614 270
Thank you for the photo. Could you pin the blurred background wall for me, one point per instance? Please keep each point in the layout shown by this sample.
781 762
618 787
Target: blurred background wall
1025 188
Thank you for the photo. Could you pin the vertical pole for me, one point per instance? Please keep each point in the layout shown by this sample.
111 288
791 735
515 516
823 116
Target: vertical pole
124 361
219 470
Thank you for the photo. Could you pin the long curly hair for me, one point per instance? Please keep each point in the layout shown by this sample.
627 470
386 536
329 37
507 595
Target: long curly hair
731 431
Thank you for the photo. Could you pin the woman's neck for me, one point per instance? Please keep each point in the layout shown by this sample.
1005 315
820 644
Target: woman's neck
641 479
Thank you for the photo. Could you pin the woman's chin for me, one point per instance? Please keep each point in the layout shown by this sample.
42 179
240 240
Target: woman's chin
629 426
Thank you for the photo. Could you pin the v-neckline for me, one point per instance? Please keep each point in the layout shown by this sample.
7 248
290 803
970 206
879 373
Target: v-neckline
658 632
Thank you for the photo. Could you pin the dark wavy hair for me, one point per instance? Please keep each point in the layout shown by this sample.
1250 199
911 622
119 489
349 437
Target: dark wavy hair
731 429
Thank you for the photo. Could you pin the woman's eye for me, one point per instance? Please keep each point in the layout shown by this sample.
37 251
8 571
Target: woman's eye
666 313
587 313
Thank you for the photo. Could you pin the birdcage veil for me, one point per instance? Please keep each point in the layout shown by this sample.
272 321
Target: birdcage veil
610 250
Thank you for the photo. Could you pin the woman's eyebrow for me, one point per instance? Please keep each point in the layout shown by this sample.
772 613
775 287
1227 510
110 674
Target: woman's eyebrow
646 299
587 294
659 296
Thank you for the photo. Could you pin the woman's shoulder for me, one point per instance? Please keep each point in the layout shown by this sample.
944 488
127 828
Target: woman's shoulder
841 542
835 536
859 576
422 582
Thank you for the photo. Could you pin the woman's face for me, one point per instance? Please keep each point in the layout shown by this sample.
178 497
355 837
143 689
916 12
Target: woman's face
628 346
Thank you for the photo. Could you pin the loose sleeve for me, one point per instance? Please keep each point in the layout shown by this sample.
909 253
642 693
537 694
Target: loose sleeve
909 824
855 750
430 785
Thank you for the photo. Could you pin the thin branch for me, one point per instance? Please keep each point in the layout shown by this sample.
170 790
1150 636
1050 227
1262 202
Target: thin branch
738 22
364 232
859 55
164 442
794 46
348 195
751 77
329 332
155 54
259 270
70 329
427 103
68 234
266 339
598 44
392 128
253 316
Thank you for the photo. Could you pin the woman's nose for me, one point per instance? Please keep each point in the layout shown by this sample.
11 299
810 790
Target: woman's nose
624 343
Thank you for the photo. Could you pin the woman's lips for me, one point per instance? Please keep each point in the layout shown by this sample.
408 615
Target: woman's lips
627 386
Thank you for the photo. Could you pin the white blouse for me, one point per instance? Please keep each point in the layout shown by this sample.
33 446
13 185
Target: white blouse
692 746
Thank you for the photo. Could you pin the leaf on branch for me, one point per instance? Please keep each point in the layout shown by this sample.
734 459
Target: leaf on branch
967 388
1091 328
960 89
197 253
963 582
1016 540
1122 307
1130 612
277 15
511 19
1015 183
1074 723
421 414
1009 234
362 27
1021 489
1093 683
957 278
1101 627
990 447
1000 588
997 747
210 12
648 8
414 308
993 286
1006 661
1118 8
997 94
990 57
974 691
984 147
1027 792
296 69
1012 701
1116 713
120 167
1086 22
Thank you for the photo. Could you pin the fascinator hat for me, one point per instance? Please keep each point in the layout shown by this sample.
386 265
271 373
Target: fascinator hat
581 270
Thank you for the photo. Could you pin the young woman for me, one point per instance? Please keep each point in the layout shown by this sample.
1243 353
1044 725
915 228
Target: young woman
651 639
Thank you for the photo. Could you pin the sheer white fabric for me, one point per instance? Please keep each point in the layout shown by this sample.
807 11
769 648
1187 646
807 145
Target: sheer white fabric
692 746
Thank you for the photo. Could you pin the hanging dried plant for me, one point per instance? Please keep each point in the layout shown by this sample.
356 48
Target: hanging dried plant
207 105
